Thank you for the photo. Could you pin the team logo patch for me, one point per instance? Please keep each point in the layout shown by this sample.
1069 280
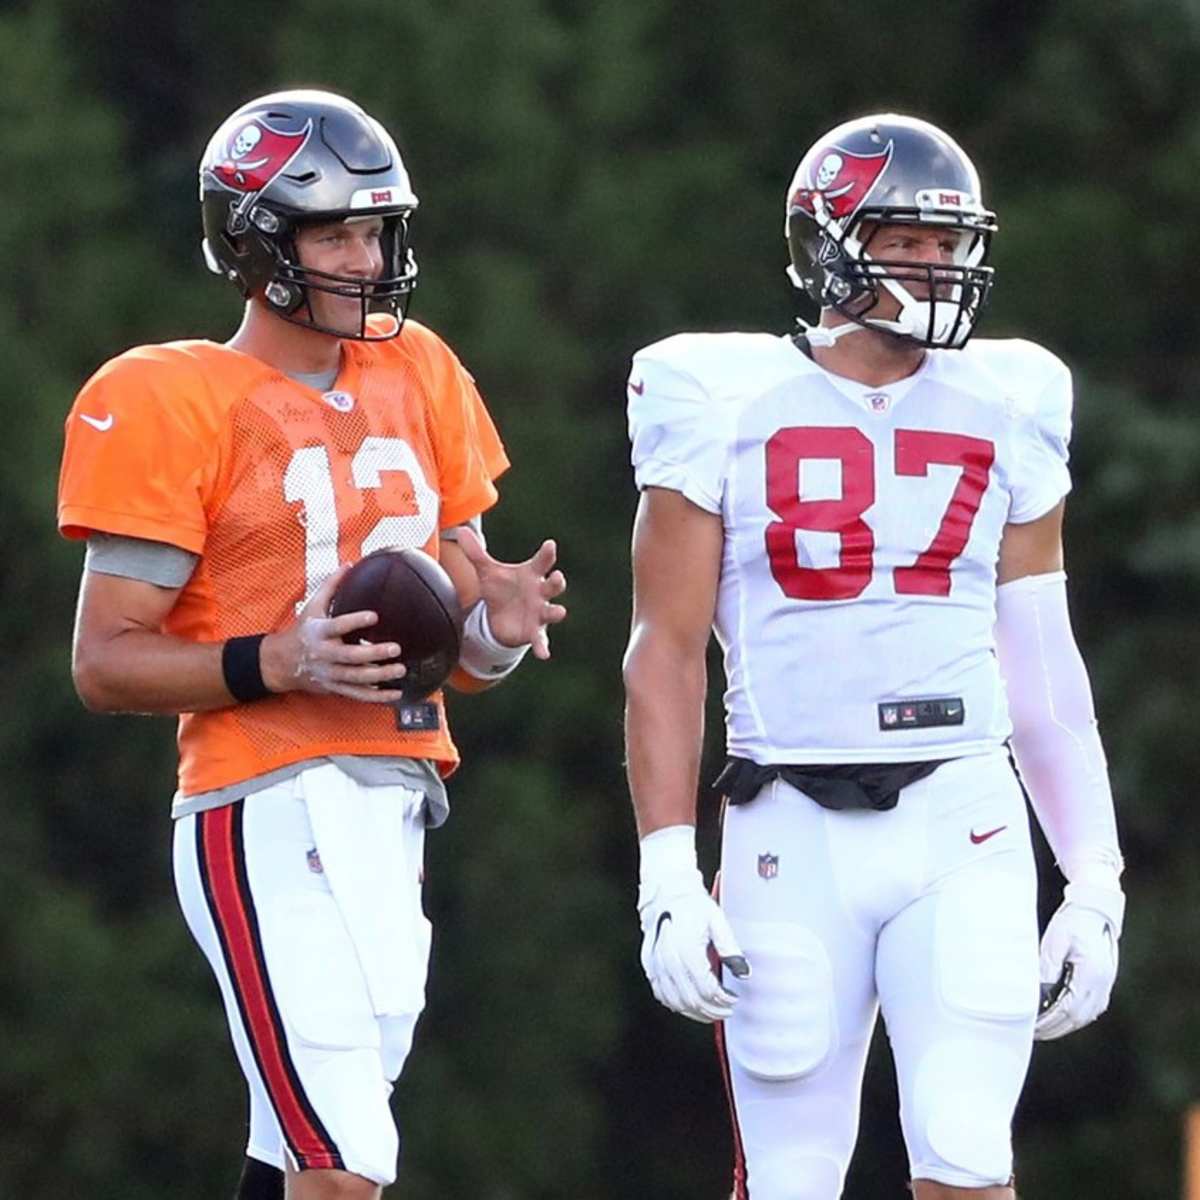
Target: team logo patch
256 153
946 198
842 179
768 865
342 401
314 862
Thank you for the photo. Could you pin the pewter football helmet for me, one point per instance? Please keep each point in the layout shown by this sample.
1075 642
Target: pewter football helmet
890 170
305 156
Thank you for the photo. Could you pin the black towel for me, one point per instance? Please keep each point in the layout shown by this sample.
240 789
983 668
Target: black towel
839 786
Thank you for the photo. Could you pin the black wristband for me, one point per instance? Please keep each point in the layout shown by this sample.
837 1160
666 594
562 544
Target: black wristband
242 669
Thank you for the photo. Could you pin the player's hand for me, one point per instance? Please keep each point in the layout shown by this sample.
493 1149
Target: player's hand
519 596
1079 951
680 922
310 656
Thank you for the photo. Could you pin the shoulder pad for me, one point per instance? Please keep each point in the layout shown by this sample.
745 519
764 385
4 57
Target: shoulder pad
1032 378
685 393
1037 389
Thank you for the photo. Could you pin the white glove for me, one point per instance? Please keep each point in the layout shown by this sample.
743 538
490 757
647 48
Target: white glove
680 920
1079 952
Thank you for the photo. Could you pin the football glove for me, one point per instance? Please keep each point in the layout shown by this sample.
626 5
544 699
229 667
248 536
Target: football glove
1079 959
680 922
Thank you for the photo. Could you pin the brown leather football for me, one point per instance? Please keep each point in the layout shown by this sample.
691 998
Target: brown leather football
418 608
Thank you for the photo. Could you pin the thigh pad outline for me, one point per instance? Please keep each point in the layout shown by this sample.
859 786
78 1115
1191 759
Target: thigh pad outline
784 1026
319 985
986 948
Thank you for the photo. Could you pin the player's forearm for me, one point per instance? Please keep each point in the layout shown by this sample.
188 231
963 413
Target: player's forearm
147 672
664 727
1055 737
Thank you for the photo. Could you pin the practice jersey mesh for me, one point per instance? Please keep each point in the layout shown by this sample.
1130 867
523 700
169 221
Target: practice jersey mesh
862 530
274 485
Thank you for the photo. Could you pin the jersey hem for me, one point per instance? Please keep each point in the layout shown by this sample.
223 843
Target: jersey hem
76 521
826 757
466 509
445 760
674 478
1033 512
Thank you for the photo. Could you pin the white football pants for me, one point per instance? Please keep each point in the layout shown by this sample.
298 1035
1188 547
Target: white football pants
927 912
305 898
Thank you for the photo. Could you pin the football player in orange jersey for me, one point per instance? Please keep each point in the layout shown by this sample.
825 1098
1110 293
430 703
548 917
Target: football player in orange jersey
221 489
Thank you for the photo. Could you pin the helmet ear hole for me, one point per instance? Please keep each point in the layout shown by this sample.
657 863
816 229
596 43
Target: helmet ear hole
281 296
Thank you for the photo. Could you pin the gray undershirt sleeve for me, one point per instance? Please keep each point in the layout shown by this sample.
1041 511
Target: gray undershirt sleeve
159 563
474 523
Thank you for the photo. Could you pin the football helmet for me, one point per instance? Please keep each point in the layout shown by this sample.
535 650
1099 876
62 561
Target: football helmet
296 157
889 170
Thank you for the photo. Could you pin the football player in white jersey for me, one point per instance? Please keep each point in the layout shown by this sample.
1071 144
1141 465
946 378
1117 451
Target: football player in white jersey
869 516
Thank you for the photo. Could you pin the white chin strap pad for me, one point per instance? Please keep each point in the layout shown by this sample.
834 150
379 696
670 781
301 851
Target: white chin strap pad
925 319
827 335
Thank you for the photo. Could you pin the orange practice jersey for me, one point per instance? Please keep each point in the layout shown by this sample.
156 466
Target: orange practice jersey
274 485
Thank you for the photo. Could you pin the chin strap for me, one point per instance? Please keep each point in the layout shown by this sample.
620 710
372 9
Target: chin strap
924 319
827 335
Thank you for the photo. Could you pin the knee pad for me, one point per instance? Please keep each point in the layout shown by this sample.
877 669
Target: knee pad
784 1026
795 1175
959 1131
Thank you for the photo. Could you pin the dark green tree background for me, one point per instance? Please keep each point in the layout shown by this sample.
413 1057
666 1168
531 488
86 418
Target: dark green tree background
593 177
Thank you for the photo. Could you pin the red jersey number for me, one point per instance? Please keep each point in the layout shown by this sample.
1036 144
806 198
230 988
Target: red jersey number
915 450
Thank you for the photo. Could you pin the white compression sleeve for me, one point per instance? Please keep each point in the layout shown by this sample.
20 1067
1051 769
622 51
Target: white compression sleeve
1055 737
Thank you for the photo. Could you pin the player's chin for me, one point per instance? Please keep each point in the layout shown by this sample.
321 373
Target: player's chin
342 315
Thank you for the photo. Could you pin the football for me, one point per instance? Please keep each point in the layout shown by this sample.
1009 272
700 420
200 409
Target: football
418 608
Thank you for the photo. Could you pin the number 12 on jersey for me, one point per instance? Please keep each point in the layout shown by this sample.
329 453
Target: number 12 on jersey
915 451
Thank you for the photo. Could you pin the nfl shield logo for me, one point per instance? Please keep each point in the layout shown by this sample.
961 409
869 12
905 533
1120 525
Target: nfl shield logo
768 865
342 401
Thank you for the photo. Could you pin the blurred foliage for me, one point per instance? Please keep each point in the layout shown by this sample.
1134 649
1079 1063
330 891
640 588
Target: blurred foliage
593 177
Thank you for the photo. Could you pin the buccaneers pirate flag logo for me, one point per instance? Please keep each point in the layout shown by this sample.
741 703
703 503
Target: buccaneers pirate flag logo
842 179
256 153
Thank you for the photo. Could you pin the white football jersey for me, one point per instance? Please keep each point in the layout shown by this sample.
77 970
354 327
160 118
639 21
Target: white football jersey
862 530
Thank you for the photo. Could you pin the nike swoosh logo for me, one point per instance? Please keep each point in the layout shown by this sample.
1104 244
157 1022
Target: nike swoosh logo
95 422
637 388
662 920
980 838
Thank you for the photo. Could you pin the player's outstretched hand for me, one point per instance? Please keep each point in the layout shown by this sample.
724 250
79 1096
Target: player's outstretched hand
519 596
310 655
1079 959
680 922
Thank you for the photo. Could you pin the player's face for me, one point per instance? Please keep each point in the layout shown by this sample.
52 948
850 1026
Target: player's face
926 245
351 248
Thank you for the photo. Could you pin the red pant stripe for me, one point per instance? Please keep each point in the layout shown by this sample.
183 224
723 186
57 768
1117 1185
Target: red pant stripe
221 855
739 1150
